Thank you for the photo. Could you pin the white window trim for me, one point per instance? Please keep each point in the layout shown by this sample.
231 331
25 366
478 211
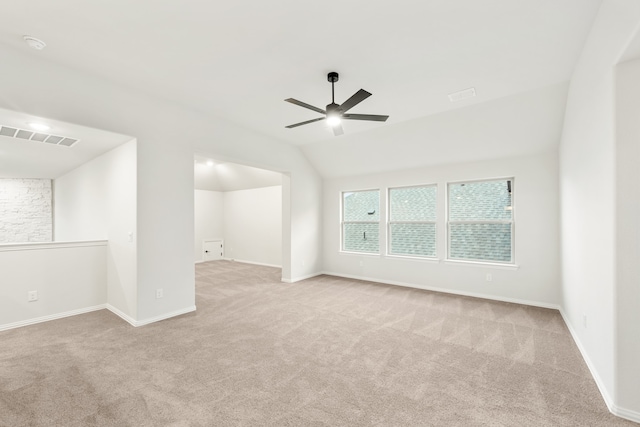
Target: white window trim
389 222
343 222
433 260
494 263
470 263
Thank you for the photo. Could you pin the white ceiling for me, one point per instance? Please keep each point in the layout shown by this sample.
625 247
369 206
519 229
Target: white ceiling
633 50
20 158
512 126
213 175
239 60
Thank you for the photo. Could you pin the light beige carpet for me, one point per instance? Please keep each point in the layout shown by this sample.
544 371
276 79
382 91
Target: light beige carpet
325 351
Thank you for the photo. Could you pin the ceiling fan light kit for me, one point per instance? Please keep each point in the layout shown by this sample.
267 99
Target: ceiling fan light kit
334 113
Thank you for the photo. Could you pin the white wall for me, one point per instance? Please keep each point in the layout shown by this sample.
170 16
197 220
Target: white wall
98 201
69 278
302 193
588 194
253 225
535 281
165 197
627 293
208 207
25 210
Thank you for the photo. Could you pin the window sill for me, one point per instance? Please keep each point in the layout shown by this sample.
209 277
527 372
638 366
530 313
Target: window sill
482 264
414 258
369 254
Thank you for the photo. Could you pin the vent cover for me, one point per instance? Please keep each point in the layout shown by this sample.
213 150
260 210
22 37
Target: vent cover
6 131
30 135
463 94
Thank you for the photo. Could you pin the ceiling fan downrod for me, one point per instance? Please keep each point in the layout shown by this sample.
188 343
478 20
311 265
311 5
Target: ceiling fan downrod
333 77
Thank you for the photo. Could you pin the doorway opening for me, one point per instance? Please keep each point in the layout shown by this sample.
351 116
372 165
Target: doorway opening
238 213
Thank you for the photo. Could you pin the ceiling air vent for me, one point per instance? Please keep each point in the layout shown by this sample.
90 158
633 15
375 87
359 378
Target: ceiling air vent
7 131
24 134
68 142
40 137
463 94
53 139
63 141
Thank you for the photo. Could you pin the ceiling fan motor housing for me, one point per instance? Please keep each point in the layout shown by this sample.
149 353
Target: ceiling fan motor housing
333 108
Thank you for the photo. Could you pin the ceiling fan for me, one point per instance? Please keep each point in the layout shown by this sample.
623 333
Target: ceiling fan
335 113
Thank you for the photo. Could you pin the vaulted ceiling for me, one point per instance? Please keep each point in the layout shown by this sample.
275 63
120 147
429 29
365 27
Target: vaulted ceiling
239 60
213 175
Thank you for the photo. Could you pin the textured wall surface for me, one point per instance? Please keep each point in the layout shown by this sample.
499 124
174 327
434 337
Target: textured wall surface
25 210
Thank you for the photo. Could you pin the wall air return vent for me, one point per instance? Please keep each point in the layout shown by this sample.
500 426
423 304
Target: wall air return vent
30 135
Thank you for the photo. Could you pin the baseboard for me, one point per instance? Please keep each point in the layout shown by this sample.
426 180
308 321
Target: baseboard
297 279
130 320
608 400
52 317
446 290
625 413
252 262
166 316
200 262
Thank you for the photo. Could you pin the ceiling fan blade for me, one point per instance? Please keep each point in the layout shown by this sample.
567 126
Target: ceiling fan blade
337 130
302 104
304 123
370 117
355 99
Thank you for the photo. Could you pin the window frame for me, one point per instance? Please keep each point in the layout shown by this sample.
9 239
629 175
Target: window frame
389 222
343 222
512 222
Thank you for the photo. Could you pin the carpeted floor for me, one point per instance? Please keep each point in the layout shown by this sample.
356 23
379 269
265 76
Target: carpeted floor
325 351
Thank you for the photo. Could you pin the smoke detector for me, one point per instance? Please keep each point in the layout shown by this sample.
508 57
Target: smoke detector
34 43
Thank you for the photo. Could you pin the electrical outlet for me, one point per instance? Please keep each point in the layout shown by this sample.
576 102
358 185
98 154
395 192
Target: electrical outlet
130 235
584 320
303 263
32 296
159 293
361 263
489 277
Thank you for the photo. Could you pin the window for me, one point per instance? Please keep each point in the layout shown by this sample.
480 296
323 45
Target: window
481 221
361 221
412 221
